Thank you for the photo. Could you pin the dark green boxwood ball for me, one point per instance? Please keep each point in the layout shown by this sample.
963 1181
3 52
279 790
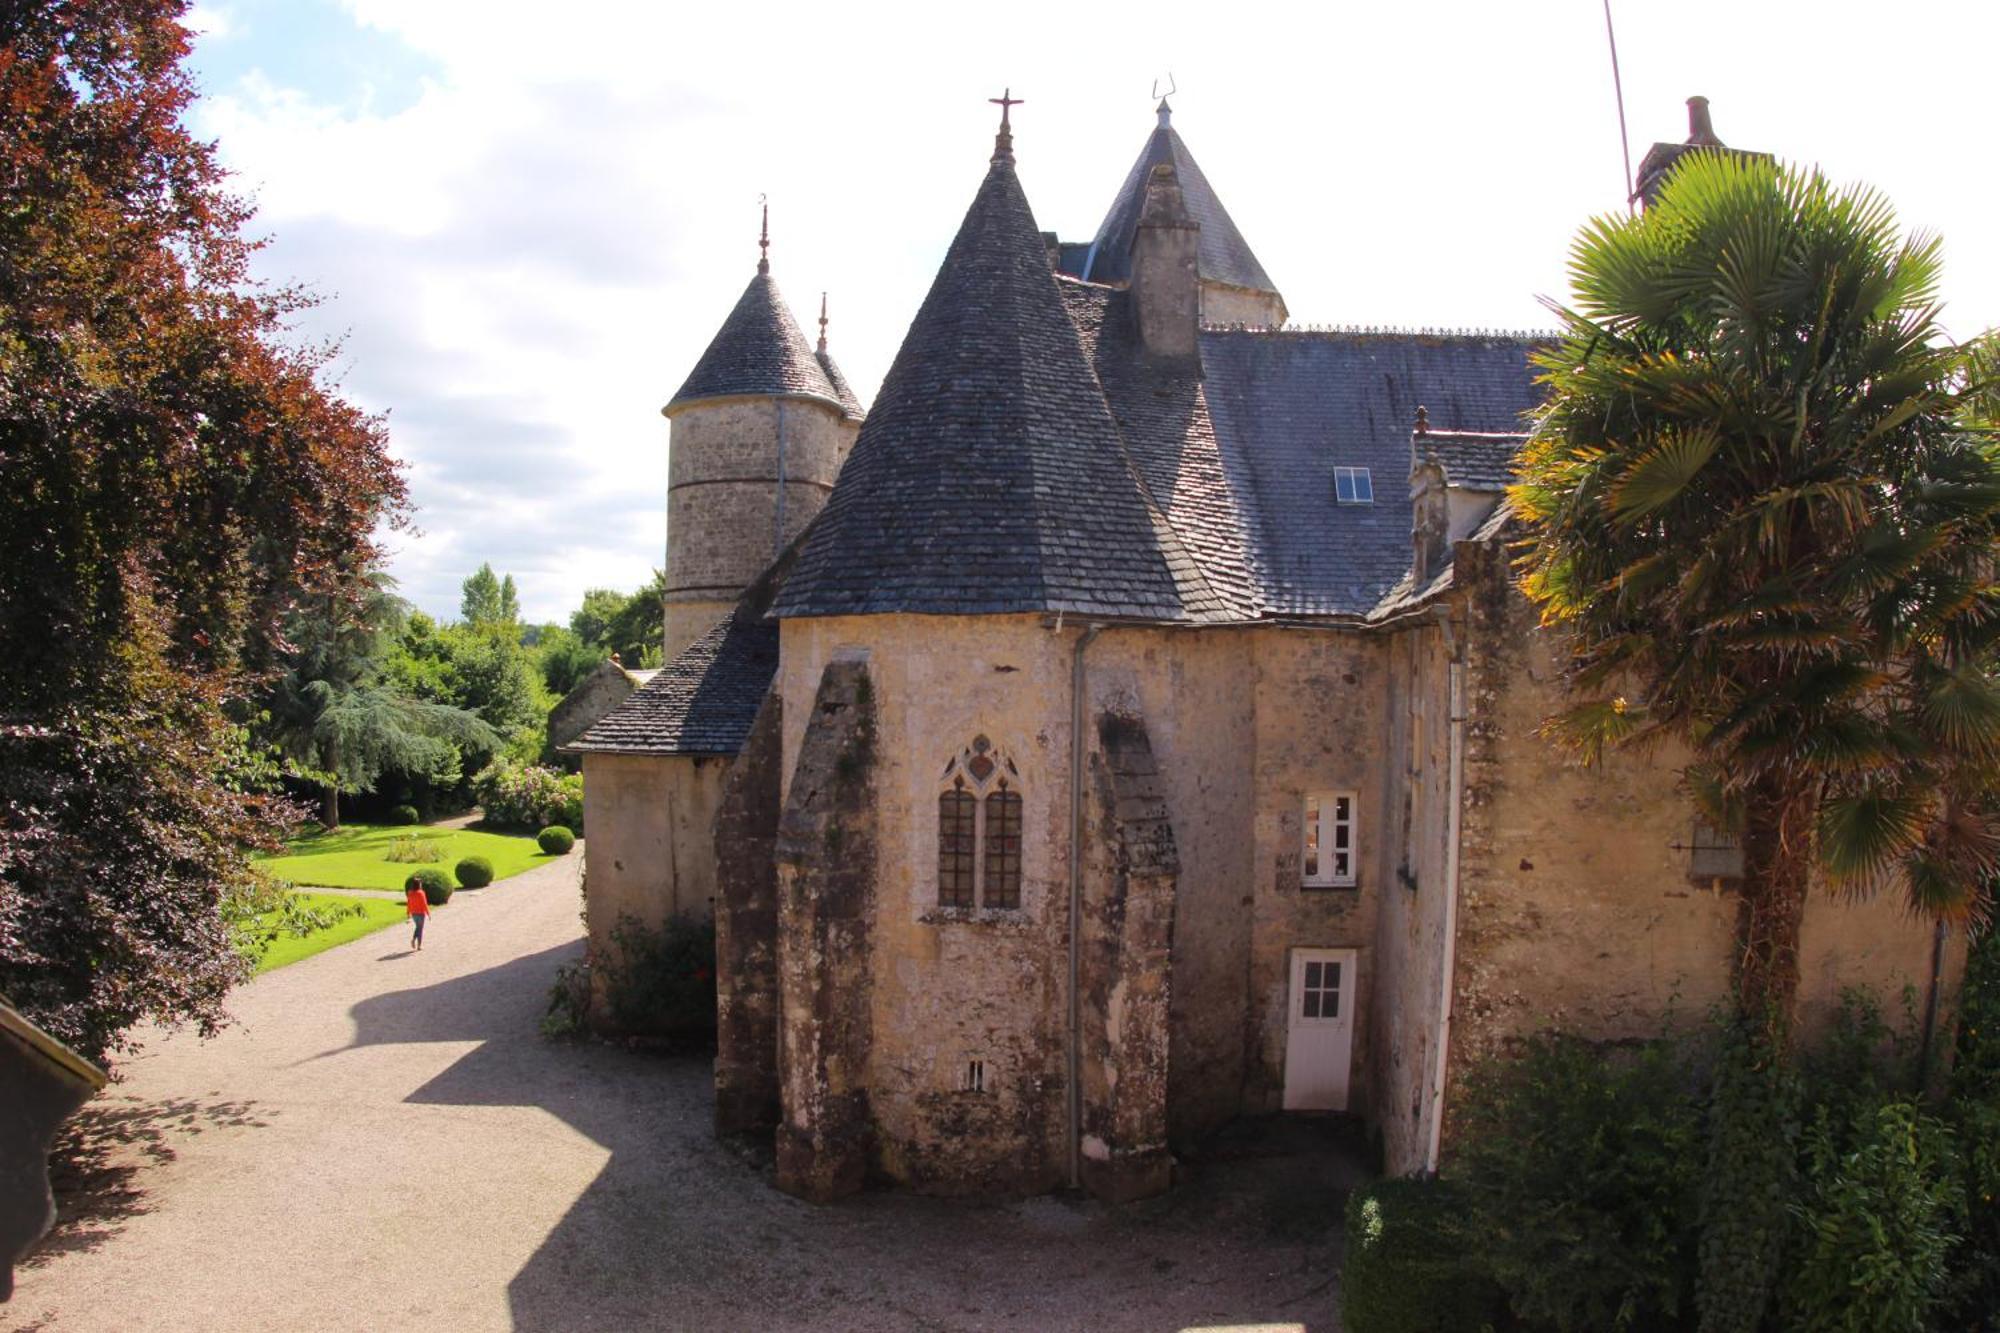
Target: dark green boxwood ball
555 840
405 814
436 885
474 872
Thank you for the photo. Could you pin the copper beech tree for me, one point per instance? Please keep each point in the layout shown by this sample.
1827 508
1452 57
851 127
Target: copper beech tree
1763 499
174 477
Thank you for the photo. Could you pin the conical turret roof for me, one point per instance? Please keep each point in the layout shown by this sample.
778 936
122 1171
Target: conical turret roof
990 476
759 350
1222 255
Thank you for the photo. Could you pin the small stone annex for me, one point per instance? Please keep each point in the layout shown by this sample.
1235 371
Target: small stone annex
1129 723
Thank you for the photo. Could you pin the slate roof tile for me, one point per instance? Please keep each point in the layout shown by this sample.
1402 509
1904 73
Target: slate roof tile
760 350
1221 255
1289 406
990 476
702 702
1472 460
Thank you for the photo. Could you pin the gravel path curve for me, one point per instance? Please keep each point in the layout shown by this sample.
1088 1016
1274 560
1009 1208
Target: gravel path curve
384 1141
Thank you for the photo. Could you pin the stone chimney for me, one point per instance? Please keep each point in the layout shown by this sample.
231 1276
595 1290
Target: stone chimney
1166 289
1701 131
1430 505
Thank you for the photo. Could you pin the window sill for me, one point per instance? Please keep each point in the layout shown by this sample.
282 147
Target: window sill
1354 887
974 916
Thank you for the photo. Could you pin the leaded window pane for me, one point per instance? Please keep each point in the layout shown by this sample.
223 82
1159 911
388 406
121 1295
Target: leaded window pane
1003 849
957 843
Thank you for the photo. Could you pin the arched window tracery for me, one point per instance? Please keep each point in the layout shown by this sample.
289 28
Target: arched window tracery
980 830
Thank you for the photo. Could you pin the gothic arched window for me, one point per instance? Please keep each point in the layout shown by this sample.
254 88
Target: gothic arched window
979 830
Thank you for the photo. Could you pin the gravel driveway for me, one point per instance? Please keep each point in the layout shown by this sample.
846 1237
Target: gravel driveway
383 1141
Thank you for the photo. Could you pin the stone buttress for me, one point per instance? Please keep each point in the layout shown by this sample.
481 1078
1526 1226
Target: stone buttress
826 857
1131 876
746 931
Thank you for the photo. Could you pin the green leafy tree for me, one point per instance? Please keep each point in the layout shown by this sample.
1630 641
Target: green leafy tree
485 599
1761 508
174 475
341 725
565 659
629 624
482 669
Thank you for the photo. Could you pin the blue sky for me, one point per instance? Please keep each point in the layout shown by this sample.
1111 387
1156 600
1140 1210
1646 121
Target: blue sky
527 219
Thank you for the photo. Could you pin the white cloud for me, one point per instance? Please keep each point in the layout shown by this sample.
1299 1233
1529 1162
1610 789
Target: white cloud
527 246
211 21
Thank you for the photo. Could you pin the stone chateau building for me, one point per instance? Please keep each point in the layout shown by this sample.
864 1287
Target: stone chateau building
1129 723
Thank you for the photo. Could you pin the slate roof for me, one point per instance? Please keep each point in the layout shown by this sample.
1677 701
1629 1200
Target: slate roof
702 702
849 402
1290 406
990 476
1162 411
1472 461
760 350
1221 255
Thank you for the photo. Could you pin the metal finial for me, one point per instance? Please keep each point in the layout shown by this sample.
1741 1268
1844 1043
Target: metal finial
764 238
1166 112
1003 142
822 323
1423 420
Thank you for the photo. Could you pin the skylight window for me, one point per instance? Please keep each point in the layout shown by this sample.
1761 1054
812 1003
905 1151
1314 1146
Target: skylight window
1352 486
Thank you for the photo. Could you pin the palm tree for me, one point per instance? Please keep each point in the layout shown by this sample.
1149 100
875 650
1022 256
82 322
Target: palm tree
1762 506
334 720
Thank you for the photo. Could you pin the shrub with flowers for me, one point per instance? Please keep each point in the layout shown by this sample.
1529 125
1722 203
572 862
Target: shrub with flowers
529 796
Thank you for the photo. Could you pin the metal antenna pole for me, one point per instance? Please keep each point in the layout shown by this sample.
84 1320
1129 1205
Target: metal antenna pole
1618 86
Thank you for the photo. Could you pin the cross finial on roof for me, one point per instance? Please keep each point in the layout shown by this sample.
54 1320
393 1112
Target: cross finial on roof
822 323
1003 142
764 238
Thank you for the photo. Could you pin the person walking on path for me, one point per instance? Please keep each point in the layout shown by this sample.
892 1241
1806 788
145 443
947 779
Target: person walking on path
418 905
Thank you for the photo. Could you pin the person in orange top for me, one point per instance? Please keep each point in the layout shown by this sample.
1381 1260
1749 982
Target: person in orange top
419 907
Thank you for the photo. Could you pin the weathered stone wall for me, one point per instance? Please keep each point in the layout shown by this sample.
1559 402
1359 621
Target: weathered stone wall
1222 304
648 854
596 694
1576 910
746 932
1410 925
1321 725
1193 688
724 525
826 864
952 986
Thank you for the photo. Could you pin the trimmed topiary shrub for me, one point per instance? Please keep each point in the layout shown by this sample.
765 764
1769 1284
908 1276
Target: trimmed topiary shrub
405 814
1410 1265
437 887
555 840
474 872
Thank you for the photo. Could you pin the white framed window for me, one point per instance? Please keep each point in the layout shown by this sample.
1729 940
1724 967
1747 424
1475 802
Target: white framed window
1353 486
1328 857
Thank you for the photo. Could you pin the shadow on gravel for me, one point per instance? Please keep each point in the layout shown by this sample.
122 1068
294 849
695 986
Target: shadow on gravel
101 1158
678 1226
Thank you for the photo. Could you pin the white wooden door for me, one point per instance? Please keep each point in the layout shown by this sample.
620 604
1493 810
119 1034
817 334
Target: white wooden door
1319 1031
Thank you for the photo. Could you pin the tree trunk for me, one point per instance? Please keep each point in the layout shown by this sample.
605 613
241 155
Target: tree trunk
1777 871
329 807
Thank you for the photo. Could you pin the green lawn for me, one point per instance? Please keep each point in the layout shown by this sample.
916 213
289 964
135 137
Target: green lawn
356 856
358 917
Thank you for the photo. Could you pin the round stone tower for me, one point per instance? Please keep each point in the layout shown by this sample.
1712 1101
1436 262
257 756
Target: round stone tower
757 435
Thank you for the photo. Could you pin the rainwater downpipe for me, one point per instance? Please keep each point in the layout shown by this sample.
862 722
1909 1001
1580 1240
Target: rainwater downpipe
1448 967
1074 1052
778 519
